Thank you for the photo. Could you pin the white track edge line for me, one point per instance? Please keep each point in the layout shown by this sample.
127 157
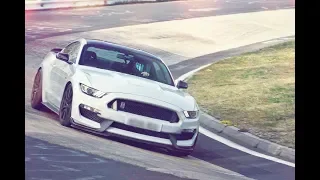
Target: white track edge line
184 76
241 148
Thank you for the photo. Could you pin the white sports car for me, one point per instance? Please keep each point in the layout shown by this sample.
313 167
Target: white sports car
111 89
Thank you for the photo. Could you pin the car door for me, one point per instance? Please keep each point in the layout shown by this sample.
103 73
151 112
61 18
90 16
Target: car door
68 69
60 72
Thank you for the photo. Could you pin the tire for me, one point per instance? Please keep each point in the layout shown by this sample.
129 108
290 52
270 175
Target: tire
36 93
66 106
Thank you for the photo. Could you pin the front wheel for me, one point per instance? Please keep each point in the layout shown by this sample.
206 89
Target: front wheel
66 106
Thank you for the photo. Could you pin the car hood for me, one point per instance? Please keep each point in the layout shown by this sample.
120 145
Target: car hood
111 81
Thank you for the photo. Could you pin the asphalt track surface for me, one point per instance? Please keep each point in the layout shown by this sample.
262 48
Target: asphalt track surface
51 155
42 24
83 165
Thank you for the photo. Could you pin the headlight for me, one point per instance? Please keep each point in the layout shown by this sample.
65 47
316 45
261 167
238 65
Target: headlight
191 114
91 91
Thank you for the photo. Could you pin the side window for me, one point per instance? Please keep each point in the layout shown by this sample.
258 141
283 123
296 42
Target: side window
162 72
159 72
73 50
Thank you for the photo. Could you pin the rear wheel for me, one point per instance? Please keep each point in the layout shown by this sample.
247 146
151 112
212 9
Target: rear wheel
66 106
36 93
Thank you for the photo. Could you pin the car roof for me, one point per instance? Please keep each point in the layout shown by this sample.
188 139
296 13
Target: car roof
120 47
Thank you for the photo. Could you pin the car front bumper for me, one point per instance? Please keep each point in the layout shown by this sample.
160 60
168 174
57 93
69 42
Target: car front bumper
134 126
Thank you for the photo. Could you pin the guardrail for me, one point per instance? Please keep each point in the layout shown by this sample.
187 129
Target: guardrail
55 4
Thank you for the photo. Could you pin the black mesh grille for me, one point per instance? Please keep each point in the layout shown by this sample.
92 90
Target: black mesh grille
146 110
182 136
90 115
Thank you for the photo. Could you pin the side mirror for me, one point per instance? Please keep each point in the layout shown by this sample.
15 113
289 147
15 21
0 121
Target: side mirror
64 57
56 50
182 85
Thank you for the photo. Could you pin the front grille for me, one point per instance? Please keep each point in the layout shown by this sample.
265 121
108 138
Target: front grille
90 115
146 110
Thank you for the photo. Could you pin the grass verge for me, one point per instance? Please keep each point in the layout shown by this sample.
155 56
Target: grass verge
253 91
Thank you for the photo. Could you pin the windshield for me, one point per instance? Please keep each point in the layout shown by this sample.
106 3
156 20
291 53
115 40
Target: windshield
125 62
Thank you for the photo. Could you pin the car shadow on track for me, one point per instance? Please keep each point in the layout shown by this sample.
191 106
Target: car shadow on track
49 114
129 142
44 160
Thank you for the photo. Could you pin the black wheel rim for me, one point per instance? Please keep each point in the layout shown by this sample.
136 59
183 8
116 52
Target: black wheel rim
35 87
66 105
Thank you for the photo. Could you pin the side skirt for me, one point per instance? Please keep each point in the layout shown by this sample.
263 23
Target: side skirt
51 107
